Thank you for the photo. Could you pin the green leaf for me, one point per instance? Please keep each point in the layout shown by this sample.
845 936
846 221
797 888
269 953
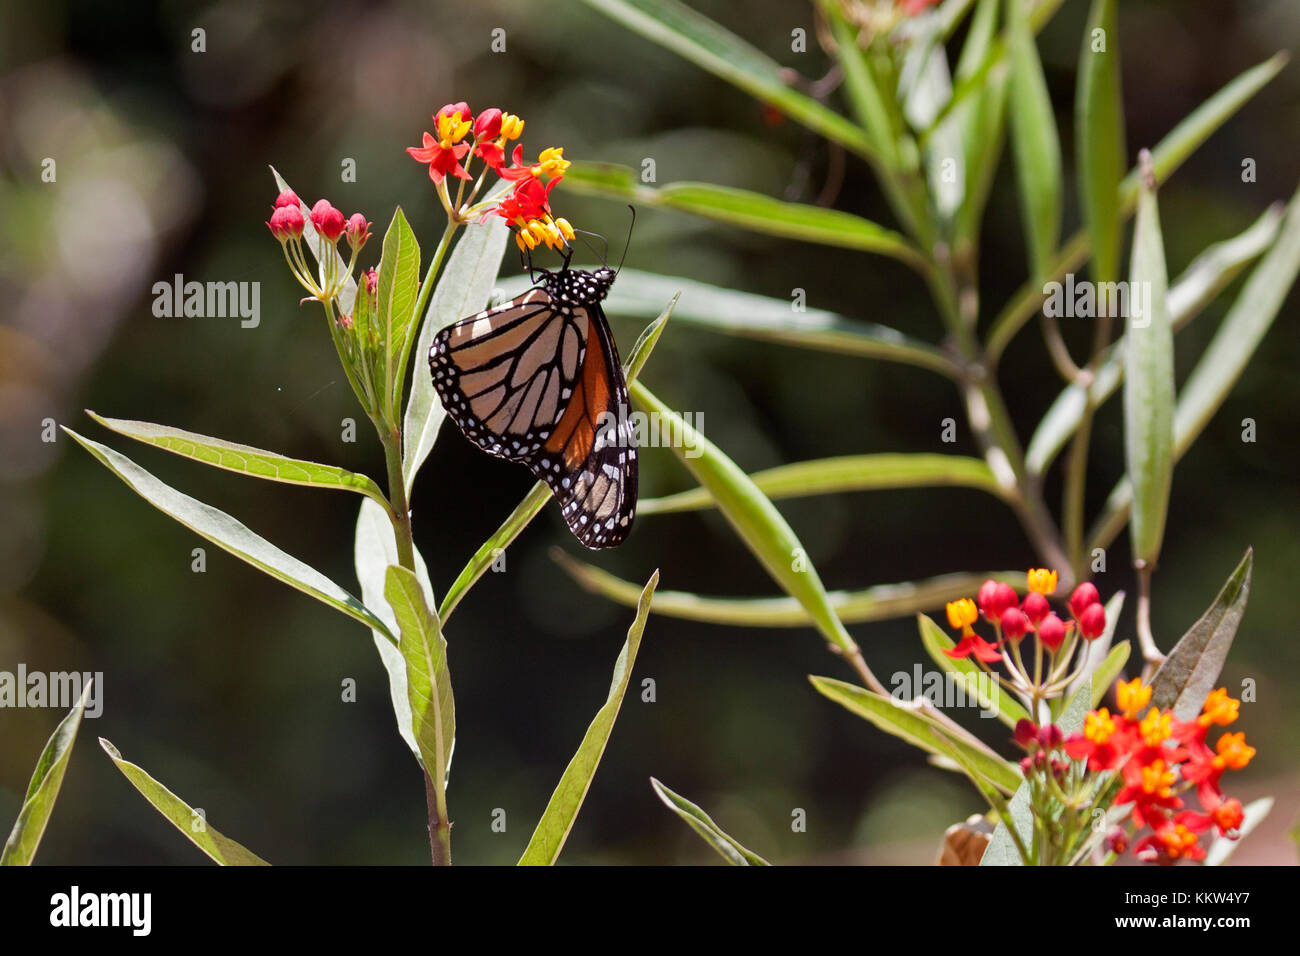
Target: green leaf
1253 815
190 822
1207 275
229 535
709 46
868 102
1103 676
967 674
983 124
879 603
760 526
709 832
463 289
748 210
1148 384
1035 142
557 820
242 458
428 683
1167 157
539 494
916 728
1001 850
1099 136
847 473
1223 361
374 549
1192 668
399 278
43 790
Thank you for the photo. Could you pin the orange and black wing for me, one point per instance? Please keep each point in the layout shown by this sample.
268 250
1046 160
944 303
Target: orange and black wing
542 385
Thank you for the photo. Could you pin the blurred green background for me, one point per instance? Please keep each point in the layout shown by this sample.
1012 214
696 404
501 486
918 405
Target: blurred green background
226 685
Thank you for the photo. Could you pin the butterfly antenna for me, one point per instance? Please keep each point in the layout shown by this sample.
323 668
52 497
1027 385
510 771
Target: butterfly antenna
603 255
628 243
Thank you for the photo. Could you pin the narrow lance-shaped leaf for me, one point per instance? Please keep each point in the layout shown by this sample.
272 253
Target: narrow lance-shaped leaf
229 535
1035 142
462 290
43 790
641 294
983 126
540 493
428 682
1168 155
749 210
712 834
760 526
1239 335
1192 668
847 473
914 726
1207 275
719 51
192 823
399 276
878 603
1099 136
374 549
243 459
1148 382
562 810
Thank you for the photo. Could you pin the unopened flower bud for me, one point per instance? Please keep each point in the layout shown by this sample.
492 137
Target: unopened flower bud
1035 607
1092 622
487 125
1084 597
328 221
286 198
358 230
1014 623
286 223
1051 631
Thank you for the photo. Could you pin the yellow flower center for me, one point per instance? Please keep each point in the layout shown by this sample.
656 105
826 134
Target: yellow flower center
1098 726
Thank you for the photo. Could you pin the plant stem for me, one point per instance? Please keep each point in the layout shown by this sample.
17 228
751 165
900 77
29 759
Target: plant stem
1150 652
439 825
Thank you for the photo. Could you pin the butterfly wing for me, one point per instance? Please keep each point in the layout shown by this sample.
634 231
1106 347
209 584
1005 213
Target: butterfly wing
542 385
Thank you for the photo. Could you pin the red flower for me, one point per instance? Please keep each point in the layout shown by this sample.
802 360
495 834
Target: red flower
972 643
442 160
286 222
994 598
328 221
1035 607
358 230
1169 844
488 124
1084 597
529 200
1052 631
1092 622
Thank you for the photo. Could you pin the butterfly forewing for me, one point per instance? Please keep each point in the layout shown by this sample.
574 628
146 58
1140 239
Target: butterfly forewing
537 380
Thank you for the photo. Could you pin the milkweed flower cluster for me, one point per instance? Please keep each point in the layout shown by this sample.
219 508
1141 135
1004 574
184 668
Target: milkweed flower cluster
1052 664
287 225
523 195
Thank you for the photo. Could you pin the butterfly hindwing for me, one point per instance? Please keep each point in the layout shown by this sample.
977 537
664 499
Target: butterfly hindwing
538 380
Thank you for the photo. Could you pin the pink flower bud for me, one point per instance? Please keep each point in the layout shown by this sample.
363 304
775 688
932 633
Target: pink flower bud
286 198
1035 607
994 598
327 220
372 281
488 124
1084 597
358 230
1092 622
1051 631
1014 623
1025 733
1050 737
286 223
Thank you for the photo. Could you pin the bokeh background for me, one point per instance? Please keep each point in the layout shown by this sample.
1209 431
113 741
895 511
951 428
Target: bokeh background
226 685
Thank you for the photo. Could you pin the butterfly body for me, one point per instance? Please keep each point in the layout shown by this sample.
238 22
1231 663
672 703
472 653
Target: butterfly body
538 380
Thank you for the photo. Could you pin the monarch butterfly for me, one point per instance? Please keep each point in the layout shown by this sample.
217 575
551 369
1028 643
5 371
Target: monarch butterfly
538 380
